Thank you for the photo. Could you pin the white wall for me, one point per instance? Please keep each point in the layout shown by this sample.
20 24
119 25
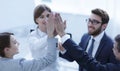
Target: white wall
15 13
16 16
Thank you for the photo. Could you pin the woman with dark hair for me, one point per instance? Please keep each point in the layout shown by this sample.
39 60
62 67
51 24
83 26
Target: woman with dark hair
9 47
38 38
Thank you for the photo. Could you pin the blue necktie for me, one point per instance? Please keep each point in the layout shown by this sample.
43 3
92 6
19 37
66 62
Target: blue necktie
91 47
90 51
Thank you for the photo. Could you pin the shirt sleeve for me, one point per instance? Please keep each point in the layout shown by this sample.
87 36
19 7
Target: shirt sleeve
41 63
63 39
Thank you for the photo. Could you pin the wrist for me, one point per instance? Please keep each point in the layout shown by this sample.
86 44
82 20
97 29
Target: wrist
50 35
62 34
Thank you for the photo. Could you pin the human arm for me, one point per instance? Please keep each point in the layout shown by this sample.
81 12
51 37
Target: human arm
60 26
41 63
9 64
83 59
38 41
76 53
51 42
62 52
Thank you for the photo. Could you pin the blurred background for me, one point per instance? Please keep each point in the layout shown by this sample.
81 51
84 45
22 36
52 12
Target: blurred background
17 16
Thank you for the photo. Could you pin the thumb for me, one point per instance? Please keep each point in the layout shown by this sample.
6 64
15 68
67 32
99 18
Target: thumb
60 47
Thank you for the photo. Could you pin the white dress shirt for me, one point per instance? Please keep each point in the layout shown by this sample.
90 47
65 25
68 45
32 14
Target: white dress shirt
38 46
96 43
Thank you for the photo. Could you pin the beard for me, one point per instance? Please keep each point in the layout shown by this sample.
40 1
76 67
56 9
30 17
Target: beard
96 31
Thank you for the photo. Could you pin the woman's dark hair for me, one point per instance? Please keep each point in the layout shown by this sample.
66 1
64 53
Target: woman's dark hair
117 39
39 10
103 14
4 42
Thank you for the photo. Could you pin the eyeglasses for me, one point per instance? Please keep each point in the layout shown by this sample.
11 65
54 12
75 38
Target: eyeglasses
94 22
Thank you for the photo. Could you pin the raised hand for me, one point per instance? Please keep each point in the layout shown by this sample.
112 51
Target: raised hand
60 47
50 25
59 25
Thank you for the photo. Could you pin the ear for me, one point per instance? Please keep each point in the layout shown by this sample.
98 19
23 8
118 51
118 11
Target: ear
6 49
37 20
104 26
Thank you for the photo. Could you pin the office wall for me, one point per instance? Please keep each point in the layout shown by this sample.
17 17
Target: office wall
15 13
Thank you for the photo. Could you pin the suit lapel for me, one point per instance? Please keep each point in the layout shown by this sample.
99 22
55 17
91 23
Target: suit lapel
101 45
86 43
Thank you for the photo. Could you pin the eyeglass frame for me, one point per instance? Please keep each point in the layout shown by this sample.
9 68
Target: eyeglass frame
93 21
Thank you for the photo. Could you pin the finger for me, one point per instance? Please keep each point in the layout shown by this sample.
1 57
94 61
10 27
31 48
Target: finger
59 18
65 24
56 19
61 48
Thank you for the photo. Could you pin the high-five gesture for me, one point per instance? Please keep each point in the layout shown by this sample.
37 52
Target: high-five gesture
59 25
50 25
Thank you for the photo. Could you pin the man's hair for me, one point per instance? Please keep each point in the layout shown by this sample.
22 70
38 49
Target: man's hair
117 39
103 14
39 10
4 42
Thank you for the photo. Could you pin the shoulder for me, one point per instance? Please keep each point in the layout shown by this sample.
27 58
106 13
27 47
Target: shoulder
85 36
33 33
107 38
107 41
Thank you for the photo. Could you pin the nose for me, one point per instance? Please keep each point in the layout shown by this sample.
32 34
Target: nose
18 43
90 23
45 20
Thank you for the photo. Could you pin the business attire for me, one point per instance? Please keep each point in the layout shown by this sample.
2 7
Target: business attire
76 53
102 50
38 47
8 64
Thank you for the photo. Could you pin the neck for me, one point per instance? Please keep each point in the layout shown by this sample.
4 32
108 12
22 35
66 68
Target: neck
42 29
9 56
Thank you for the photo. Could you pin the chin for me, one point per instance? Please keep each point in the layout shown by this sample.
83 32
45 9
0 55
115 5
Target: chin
16 52
91 33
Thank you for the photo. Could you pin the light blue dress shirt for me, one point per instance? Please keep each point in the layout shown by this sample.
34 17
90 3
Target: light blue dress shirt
7 64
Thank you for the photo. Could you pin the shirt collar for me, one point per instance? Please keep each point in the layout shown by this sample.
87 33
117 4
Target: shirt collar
99 37
41 33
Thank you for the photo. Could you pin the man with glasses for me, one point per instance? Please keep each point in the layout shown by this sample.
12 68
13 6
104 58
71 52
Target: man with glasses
101 49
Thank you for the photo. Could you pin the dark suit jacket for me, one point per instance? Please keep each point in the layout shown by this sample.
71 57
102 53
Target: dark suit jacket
104 53
75 52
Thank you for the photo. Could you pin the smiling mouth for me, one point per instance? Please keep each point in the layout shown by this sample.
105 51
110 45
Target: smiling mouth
90 28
